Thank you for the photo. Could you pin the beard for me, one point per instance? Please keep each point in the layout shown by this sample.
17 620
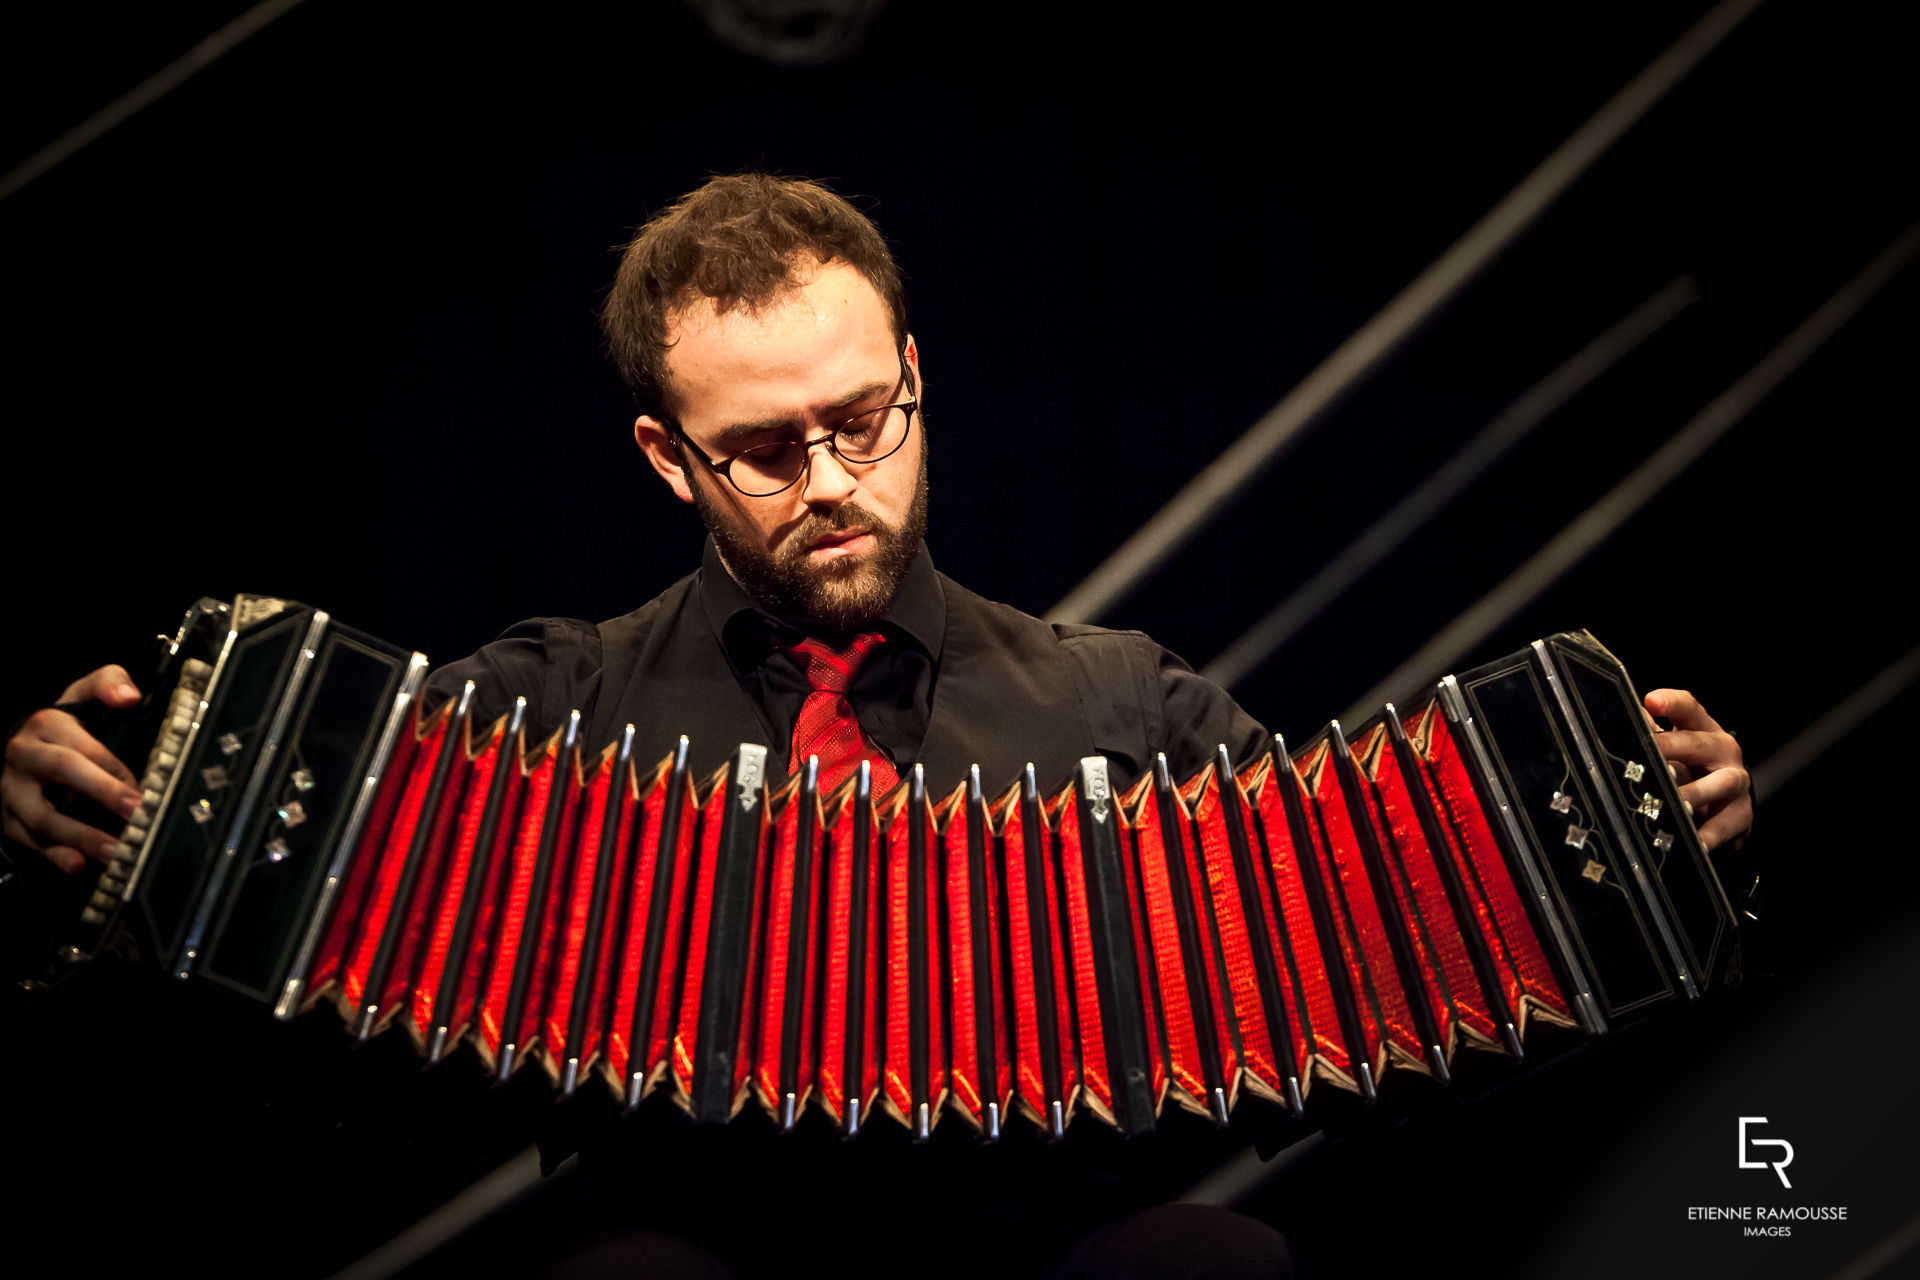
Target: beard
842 594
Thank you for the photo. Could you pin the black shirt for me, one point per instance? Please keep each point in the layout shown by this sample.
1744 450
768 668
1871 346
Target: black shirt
960 680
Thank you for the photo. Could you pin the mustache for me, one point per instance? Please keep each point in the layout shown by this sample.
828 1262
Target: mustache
847 515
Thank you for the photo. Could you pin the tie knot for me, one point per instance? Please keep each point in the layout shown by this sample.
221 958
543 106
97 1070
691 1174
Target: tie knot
831 670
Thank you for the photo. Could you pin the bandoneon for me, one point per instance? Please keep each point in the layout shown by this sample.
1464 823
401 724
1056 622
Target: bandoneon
1353 915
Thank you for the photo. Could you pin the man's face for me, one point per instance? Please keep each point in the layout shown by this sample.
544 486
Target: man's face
834 548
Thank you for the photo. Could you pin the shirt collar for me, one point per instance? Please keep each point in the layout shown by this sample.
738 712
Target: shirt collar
918 615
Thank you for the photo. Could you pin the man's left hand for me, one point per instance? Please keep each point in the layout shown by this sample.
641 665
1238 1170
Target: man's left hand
1713 775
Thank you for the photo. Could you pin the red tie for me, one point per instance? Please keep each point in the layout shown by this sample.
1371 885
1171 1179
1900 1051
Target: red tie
825 726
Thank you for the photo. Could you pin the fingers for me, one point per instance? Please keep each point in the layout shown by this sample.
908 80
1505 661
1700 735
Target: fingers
71 861
95 752
55 830
1703 751
1729 827
52 749
109 684
1682 708
1702 754
1716 789
34 822
1720 800
1708 763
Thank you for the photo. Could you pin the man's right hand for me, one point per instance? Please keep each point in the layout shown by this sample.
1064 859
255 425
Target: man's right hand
52 749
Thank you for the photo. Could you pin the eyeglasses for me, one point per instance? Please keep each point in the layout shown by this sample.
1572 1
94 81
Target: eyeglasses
776 466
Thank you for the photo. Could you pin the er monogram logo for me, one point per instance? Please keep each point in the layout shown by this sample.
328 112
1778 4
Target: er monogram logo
1778 1166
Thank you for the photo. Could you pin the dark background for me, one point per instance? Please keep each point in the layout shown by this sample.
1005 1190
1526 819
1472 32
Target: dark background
321 324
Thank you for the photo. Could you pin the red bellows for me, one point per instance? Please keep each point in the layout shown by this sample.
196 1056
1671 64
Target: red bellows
826 726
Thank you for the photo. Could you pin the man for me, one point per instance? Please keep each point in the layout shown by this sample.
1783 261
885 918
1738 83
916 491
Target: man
762 327
761 324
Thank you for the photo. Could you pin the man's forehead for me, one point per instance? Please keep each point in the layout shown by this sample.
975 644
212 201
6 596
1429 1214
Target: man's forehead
829 324
810 288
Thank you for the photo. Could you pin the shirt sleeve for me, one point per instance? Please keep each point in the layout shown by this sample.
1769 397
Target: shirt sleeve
1140 698
1200 717
554 663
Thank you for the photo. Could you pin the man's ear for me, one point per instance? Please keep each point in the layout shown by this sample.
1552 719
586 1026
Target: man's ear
913 361
655 441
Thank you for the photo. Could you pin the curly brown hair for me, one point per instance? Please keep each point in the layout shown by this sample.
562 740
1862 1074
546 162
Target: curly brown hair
739 240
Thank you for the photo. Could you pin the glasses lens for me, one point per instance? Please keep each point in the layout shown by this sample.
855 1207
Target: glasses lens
872 436
773 467
769 468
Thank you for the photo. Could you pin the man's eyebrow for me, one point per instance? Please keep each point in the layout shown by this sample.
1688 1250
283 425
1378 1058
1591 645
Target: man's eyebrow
741 430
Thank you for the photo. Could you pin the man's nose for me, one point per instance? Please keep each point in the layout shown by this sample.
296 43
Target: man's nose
827 479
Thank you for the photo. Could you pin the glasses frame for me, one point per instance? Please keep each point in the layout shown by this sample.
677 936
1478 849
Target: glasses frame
724 467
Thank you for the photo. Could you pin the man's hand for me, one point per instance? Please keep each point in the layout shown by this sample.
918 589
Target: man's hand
52 749
1713 777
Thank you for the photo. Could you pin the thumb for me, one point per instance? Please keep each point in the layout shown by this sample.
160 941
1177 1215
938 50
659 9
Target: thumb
109 684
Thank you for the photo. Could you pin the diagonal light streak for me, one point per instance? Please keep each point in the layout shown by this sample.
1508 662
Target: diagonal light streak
1598 522
1381 538
1840 720
1247 458
143 95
